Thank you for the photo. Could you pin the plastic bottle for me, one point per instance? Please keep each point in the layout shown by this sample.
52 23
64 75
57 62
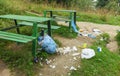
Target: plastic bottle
99 49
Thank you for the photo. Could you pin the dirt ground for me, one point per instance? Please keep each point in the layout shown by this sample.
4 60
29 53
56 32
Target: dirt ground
4 71
62 64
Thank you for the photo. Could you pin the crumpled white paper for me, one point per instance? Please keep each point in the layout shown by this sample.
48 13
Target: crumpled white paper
87 53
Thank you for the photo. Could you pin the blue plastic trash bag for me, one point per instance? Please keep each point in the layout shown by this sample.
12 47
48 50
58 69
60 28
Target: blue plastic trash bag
74 26
47 44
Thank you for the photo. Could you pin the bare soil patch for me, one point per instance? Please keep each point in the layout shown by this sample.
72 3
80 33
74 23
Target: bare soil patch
62 60
4 71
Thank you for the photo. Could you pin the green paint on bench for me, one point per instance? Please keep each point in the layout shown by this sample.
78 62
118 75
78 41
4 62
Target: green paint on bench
16 37
25 18
39 25
60 19
61 10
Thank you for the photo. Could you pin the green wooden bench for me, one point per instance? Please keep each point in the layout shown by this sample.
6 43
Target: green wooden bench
60 18
71 16
39 25
16 37
23 38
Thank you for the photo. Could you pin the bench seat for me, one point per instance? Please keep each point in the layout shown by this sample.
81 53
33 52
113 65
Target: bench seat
39 25
16 37
60 18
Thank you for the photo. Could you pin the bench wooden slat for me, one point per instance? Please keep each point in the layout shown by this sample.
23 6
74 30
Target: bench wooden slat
60 10
39 25
18 35
61 19
12 39
15 37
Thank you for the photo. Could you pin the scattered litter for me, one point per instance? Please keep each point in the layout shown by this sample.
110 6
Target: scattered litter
75 54
79 66
59 50
87 53
84 45
97 31
69 74
84 34
101 39
48 61
91 36
81 30
66 50
41 58
99 49
41 64
74 58
52 66
72 68
74 48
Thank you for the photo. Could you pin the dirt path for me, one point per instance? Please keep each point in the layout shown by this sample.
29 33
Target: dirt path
64 62
4 71
60 65
68 60
88 26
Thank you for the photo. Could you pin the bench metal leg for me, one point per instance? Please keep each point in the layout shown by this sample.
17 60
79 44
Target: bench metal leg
34 44
49 28
75 17
51 15
18 30
70 21
45 13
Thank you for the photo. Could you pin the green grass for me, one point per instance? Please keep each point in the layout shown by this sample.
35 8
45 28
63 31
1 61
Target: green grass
101 19
20 6
64 31
104 63
17 58
117 37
